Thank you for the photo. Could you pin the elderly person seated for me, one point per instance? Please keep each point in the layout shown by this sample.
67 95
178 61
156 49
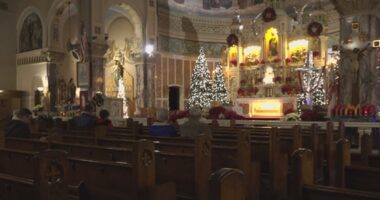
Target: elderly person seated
194 127
162 127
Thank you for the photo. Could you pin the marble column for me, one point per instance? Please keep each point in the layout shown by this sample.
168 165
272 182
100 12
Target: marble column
144 86
358 86
98 49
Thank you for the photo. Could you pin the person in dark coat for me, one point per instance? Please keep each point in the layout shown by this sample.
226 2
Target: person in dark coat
19 126
86 119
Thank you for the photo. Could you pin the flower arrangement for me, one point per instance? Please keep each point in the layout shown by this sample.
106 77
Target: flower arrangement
258 80
256 62
253 90
311 115
276 60
241 92
286 89
366 110
293 116
288 80
277 79
243 82
38 108
178 115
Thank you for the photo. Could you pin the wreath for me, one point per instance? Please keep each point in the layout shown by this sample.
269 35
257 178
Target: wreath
269 14
314 29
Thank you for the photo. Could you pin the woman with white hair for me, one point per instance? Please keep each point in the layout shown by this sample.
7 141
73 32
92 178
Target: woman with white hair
194 127
162 127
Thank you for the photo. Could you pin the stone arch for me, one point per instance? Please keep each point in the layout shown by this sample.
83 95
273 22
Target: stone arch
33 15
60 11
130 13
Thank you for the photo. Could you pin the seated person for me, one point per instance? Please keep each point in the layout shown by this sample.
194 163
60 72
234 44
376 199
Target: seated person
104 114
19 126
86 119
162 127
194 127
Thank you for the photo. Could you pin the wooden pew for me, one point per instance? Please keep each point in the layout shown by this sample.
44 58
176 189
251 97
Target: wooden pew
303 187
74 150
31 175
226 153
190 171
228 184
351 176
132 180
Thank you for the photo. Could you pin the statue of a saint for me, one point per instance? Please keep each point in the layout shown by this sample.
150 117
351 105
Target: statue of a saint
71 91
119 69
273 46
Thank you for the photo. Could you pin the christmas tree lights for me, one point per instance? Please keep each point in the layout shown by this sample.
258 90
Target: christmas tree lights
219 88
201 84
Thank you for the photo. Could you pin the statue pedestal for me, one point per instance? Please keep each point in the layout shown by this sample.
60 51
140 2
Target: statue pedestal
115 108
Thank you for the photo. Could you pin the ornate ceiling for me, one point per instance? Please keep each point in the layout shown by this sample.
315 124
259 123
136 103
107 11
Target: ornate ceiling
226 8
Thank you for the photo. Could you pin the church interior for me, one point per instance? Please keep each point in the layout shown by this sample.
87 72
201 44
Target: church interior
190 99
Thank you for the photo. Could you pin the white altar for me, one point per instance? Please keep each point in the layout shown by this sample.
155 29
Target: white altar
268 107
115 108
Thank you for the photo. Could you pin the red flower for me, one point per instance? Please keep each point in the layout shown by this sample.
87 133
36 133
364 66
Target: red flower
276 60
288 60
316 54
256 62
241 92
262 61
288 79
277 79
253 90
234 62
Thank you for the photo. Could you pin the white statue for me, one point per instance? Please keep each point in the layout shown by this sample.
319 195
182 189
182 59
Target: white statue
269 75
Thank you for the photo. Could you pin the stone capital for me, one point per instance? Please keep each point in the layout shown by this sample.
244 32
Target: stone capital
98 49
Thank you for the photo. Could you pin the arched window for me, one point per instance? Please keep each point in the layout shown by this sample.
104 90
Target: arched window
31 34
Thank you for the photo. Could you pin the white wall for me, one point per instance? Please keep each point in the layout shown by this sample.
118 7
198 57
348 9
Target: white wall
67 68
26 80
8 50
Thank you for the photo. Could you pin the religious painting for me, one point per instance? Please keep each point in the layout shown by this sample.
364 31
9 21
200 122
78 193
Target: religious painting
272 43
31 34
83 74
298 50
252 55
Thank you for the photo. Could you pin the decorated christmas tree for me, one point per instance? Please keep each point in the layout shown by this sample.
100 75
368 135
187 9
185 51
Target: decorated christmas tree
201 84
219 92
